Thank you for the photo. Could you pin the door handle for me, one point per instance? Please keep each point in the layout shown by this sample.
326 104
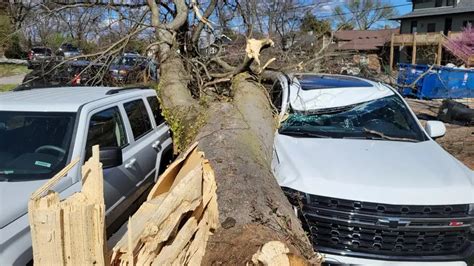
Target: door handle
130 163
156 145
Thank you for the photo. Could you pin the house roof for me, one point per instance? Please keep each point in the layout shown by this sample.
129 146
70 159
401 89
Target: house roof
364 39
464 6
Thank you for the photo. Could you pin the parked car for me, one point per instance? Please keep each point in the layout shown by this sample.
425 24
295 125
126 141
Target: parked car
42 130
38 55
369 183
65 73
131 68
67 51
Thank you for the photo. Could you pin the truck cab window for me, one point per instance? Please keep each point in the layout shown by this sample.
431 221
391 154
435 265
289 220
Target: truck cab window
106 129
155 108
138 117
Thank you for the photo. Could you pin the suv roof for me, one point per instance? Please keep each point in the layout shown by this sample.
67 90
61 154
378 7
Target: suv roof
324 81
320 91
61 99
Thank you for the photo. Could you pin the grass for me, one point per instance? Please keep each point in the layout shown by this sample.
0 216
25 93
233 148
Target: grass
7 87
7 70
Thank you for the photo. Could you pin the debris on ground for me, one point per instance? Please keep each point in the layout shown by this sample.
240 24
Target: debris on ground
459 139
455 112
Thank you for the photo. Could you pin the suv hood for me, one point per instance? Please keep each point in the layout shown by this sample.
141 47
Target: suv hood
390 172
14 198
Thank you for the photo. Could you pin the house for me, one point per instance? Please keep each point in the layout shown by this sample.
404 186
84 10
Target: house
367 47
362 40
431 23
437 16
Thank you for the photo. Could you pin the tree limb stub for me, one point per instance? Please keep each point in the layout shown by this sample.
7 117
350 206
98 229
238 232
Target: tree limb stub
255 46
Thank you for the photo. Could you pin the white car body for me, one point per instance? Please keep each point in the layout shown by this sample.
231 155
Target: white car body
123 184
395 173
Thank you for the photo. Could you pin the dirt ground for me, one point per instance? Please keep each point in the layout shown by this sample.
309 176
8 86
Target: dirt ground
459 140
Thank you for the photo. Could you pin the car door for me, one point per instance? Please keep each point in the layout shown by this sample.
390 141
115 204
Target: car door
106 128
143 148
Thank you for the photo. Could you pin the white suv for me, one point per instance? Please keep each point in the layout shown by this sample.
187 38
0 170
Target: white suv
367 180
42 130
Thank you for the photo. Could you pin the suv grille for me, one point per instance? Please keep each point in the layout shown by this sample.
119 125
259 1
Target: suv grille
383 229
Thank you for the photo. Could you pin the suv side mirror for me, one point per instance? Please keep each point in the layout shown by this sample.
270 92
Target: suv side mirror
110 157
435 129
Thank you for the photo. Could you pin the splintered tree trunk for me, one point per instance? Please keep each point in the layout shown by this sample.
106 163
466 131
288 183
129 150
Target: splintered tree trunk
237 138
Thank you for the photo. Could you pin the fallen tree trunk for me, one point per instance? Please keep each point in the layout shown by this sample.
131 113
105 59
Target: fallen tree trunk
237 138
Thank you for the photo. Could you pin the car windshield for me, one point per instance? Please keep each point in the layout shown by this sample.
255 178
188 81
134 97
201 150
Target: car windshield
45 51
128 60
34 145
385 118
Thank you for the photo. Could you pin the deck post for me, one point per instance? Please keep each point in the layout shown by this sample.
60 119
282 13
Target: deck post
392 51
413 53
440 49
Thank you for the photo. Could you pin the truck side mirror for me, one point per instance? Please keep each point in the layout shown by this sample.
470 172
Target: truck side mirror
110 157
435 129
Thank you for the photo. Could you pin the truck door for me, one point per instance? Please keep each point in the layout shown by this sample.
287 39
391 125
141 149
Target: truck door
143 150
106 129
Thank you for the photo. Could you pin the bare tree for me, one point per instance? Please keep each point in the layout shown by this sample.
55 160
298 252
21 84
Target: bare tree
363 14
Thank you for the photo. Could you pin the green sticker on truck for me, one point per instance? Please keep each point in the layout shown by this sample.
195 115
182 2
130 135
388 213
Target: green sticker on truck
44 164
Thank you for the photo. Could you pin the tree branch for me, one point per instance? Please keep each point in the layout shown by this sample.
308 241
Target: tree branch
197 33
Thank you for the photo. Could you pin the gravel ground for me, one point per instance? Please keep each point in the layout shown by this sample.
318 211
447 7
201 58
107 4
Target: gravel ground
459 140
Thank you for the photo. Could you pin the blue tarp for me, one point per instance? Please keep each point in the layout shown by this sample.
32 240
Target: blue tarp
438 83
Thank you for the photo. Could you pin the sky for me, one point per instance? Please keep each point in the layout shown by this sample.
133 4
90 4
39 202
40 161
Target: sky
402 7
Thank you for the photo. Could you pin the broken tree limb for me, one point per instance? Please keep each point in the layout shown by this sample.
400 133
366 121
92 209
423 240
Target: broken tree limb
255 46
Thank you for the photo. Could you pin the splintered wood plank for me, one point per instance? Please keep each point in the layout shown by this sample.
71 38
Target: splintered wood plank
166 179
70 232
171 252
137 222
174 225
45 223
93 178
193 160
197 247
185 193
272 253
153 227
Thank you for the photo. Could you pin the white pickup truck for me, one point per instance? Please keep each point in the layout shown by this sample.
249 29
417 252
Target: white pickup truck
42 130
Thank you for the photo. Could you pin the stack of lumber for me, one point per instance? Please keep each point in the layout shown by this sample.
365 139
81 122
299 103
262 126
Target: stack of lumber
72 231
172 227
